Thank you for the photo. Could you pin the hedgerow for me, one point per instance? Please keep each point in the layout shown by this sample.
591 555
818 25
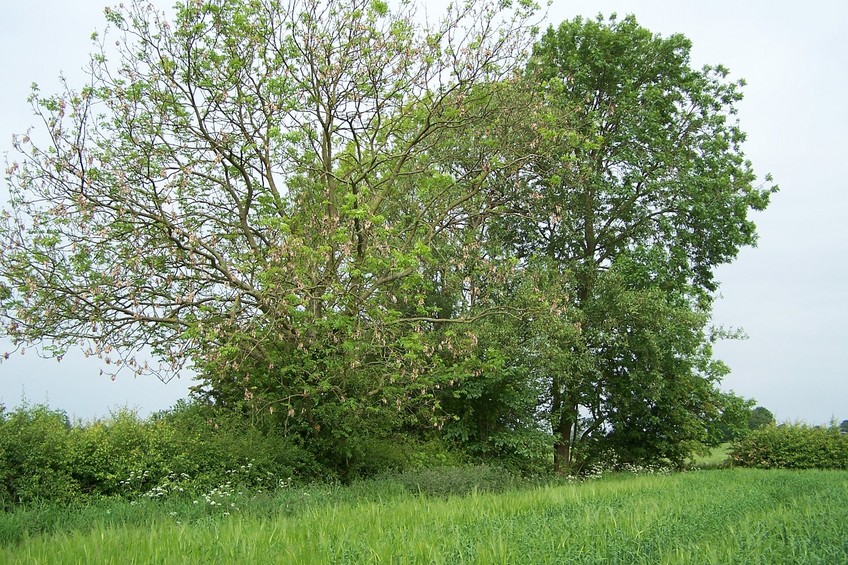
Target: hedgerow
793 446
189 449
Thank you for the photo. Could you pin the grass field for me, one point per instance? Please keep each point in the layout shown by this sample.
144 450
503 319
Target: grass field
715 458
722 516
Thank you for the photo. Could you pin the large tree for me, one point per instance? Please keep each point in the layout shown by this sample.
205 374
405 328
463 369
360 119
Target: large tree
351 221
257 190
641 191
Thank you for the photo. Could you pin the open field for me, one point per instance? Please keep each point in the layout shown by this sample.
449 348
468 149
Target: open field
725 516
717 456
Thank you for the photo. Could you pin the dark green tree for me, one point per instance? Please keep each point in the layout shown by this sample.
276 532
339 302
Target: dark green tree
760 418
640 189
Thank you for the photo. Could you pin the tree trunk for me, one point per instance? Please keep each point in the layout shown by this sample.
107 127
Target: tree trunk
562 446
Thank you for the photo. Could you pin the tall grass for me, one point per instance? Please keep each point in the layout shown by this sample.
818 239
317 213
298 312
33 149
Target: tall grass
727 516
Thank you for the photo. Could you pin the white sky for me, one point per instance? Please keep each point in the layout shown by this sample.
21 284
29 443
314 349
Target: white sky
789 294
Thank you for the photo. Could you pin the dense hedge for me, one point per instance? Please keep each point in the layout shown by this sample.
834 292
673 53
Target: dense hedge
793 446
34 463
45 458
192 449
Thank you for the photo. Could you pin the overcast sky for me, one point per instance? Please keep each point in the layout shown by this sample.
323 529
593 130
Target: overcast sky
789 293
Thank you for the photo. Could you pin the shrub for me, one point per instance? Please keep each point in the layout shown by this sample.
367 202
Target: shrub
190 449
435 452
201 451
121 455
33 464
399 453
792 446
211 447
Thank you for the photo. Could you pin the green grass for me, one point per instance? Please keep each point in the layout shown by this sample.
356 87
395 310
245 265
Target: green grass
716 457
724 516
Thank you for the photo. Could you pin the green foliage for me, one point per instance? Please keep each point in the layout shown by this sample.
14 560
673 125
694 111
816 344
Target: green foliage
760 417
492 410
638 192
190 449
264 195
121 455
657 377
34 443
369 237
792 446
211 446
735 419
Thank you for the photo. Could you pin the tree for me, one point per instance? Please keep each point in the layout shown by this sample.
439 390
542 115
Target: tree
254 191
641 191
735 419
843 427
760 418
353 224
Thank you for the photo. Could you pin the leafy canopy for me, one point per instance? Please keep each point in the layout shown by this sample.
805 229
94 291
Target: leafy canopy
351 224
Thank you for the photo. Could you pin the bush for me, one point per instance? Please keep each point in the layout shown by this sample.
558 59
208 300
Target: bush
121 455
208 448
399 453
33 464
199 450
792 446
190 449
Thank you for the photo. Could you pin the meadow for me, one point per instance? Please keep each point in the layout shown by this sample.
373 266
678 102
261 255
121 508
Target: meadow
710 516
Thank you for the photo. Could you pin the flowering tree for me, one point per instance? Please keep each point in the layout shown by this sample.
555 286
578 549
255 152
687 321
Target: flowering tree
349 219
258 190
